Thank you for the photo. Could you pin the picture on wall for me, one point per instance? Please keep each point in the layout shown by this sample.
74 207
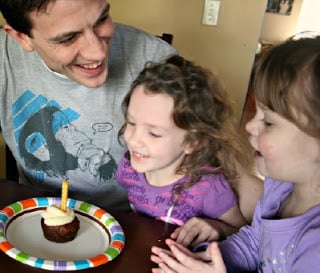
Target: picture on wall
283 7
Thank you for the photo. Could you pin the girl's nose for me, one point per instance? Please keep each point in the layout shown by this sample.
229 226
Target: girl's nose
133 137
252 126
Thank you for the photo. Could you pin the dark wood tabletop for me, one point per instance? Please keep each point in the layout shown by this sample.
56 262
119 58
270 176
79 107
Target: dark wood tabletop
141 233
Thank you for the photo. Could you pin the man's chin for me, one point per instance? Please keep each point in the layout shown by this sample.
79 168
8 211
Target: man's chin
92 82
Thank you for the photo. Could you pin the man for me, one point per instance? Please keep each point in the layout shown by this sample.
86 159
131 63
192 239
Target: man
65 68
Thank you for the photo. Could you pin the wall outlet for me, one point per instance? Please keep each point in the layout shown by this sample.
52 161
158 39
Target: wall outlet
210 12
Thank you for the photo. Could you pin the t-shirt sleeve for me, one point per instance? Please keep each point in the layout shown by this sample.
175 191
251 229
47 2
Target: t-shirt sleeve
220 197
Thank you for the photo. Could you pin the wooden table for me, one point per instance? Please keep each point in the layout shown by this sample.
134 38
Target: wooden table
141 233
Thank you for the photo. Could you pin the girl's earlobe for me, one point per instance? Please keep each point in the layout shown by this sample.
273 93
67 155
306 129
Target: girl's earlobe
191 147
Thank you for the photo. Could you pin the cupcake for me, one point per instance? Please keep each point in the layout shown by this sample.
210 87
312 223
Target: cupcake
59 225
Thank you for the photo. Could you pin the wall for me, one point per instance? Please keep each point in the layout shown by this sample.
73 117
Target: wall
228 47
309 17
277 28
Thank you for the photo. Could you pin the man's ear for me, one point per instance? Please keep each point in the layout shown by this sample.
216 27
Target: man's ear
23 39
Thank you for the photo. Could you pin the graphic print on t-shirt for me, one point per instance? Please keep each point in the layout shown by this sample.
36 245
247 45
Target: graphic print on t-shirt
50 144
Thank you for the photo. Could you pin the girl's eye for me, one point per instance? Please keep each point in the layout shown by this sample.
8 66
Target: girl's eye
155 135
267 123
130 123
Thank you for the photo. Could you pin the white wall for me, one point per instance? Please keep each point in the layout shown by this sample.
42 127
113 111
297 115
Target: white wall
228 48
278 27
309 19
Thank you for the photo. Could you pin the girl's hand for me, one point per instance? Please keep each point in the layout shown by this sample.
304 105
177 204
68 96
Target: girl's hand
181 260
197 230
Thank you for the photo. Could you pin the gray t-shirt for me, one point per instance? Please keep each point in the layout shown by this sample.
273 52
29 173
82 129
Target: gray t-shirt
58 129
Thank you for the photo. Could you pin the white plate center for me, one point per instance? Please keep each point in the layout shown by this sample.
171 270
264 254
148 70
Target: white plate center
25 234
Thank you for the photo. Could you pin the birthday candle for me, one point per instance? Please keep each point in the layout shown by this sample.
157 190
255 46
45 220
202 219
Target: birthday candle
64 195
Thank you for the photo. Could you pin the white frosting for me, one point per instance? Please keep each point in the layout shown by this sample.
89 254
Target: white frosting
54 216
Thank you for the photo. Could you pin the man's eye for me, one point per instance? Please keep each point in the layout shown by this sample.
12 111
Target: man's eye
67 40
102 19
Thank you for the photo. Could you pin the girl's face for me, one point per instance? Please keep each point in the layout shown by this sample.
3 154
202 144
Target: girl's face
282 150
155 143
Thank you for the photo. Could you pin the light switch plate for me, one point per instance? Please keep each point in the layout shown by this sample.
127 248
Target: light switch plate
211 12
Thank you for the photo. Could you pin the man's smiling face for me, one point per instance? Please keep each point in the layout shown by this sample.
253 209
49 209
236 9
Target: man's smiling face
73 38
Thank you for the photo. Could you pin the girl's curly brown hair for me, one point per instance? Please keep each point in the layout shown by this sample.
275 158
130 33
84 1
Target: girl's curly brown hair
201 107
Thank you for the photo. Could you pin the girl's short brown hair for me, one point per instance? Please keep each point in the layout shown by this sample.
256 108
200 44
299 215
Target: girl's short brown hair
287 80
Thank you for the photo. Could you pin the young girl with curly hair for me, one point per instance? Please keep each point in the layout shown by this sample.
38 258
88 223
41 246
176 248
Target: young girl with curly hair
183 152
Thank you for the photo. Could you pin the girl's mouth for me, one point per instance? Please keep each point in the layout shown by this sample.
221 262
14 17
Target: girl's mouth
138 155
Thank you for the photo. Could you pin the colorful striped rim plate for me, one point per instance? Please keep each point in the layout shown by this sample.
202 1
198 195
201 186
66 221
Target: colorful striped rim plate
100 238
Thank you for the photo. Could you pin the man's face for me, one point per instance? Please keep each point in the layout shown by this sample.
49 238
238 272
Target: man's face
73 38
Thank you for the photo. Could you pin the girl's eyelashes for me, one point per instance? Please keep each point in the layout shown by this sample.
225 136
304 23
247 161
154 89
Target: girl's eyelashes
129 122
265 118
155 135
267 123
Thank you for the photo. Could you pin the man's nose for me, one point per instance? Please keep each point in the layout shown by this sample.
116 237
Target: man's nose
94 47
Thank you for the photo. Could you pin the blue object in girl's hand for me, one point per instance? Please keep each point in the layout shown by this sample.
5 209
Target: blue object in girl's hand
200 247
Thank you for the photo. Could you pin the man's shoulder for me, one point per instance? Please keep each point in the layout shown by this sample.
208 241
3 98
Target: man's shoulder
8 45
134 47
130 37
131 31
3 38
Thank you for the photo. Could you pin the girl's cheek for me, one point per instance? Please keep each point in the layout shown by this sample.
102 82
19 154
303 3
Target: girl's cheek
263 145
267 149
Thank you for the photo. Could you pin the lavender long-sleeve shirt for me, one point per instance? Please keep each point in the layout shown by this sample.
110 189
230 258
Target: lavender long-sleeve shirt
274 245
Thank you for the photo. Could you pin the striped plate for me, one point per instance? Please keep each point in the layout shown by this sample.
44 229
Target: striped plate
100 238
